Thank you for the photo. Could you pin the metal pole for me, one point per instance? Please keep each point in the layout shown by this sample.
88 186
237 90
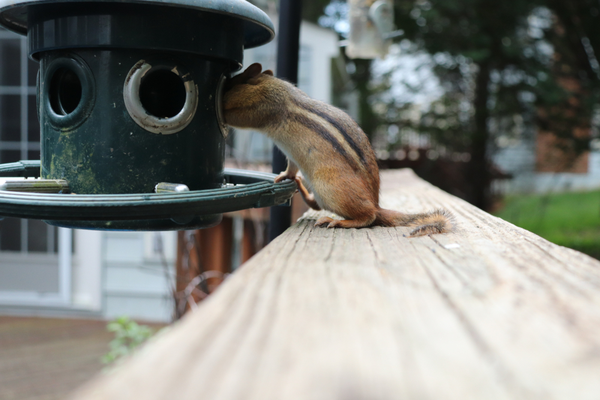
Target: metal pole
288 48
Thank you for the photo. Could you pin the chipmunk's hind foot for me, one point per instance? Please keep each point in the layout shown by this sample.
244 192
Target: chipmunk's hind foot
323 221
344 223
438 221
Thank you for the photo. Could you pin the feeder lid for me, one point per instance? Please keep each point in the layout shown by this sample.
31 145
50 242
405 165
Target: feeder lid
258 28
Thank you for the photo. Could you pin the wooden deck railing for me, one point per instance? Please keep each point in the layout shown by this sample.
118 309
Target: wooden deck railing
490 311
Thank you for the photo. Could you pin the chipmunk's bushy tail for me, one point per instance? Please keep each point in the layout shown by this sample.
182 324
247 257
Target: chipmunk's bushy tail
438 221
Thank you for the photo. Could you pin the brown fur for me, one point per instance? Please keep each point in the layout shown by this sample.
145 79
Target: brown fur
334 154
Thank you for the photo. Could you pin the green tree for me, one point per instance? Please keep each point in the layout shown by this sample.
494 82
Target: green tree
504 65
572 94
487 61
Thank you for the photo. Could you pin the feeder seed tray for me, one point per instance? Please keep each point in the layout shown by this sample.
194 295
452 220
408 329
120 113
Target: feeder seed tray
152 211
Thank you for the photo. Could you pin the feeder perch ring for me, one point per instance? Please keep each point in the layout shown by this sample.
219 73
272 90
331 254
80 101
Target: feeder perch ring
163 211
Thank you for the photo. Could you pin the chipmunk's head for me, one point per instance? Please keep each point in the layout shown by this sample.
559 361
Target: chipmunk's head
247 99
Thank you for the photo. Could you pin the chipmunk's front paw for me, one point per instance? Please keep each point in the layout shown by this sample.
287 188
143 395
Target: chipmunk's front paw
324 221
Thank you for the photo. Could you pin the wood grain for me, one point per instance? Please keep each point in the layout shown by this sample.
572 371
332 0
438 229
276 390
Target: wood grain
489 311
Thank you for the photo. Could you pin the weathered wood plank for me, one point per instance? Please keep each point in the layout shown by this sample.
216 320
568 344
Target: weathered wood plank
490 311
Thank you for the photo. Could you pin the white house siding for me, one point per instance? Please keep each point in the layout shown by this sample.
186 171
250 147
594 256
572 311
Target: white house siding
516 159
87 271
519 161
110 274
37 279
136 283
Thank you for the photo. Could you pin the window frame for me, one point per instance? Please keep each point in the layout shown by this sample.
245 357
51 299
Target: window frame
62 258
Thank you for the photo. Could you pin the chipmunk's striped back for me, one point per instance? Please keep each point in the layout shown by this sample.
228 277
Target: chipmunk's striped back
334 154
341 132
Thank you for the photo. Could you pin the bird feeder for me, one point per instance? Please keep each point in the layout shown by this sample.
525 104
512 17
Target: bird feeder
128 98
371 28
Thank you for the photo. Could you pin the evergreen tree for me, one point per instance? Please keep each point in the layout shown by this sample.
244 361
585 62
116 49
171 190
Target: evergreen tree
487 60
505 64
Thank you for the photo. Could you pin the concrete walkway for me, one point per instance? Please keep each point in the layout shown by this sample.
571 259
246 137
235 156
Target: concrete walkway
44 358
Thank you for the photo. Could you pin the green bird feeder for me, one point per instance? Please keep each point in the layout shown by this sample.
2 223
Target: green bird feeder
128 98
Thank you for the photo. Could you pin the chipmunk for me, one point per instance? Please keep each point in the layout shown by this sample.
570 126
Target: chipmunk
333 153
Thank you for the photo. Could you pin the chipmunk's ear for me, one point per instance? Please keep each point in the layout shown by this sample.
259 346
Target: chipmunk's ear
244 78
252 71
268 72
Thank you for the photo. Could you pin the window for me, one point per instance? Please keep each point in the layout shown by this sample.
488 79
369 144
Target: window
20 139
25 235
35 258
